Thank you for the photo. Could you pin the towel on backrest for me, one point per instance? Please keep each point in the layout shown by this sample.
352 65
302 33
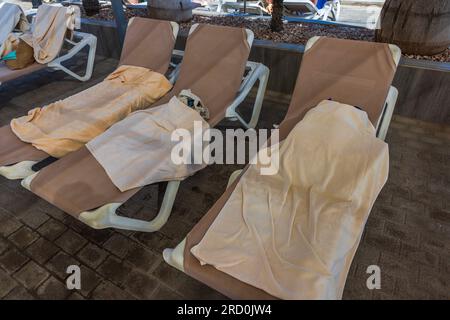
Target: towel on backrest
49 30
66 125
137 151
11 17
294 234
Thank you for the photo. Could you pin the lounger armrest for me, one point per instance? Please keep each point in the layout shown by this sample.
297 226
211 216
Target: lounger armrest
85 40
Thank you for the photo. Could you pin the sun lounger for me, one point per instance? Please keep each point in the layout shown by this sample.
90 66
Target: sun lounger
252 7
322 10
79 41
362 78
148 43
79 185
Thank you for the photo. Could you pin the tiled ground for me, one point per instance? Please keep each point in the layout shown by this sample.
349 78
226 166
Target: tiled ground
407 235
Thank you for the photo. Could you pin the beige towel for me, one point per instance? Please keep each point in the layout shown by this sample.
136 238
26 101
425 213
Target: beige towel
49 30
137 151
11 17
294 234
66 125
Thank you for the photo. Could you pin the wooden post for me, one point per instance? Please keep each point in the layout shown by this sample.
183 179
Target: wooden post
119 16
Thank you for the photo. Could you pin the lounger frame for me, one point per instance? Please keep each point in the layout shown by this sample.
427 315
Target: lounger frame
85 40
106 216
175 256
81 41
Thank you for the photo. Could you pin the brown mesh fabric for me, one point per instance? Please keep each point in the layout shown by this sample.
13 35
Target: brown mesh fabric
80 177
13 150
213 67
148 43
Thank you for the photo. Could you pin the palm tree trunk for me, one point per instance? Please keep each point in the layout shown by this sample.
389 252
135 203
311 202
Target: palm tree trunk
416 26
276 24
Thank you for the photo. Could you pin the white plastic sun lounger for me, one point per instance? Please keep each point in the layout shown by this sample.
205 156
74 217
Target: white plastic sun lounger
306 9
99 211
254 7
79 42
180 256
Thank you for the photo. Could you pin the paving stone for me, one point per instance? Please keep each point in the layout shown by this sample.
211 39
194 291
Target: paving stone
75 296
115 270
19 293
4 245
31 275
12 260
71 242
401 232
9 226
23 237
441 216
141 285
92 255
34 218
6 283
108 291
42 250
53 289
52 229
59 264
164 293
421 256
89 281
142 259
119 245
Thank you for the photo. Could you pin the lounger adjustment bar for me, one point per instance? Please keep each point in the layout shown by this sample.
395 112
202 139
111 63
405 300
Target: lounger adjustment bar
88 40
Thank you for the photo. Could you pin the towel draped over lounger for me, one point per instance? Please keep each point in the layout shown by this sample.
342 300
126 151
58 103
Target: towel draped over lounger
293 235
137 151
66 125
49 30
11 17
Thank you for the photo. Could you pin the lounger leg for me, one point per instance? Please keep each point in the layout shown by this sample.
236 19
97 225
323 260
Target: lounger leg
87 40
386 117
259 73
106 217
175 257
20 170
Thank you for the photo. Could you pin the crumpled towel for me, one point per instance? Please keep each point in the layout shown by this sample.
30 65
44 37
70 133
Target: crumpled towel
137 151
49 30
294 234
66 125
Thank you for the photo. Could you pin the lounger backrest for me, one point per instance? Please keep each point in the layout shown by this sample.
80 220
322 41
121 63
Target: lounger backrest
301 6
357 73
213 66
148 43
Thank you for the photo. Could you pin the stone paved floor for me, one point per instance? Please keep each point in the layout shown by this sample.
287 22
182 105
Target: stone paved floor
407 235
